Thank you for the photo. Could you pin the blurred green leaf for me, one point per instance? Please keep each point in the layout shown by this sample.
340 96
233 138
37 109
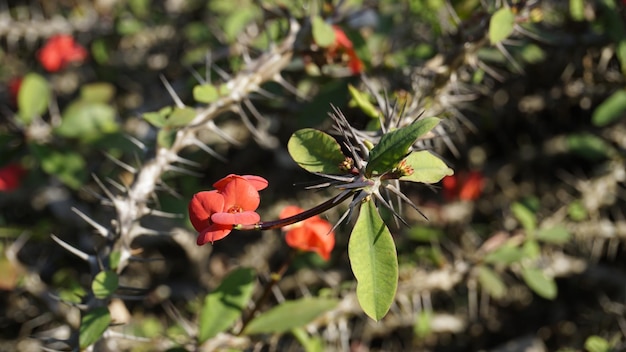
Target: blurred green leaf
100 92
323 32
92 325
32 98
425 234
532 53
114 259
537 280
158 118
224 305
205 93
422 327
100 51
374 262
589 146
394 145
289 315
309 343
577 9
180 117
491 282
531 249
361 100
427 168
596 343
557 235
166 137
87 121
68 166
525 216
104 284
505 255
611 110
501 25
576 211
316 151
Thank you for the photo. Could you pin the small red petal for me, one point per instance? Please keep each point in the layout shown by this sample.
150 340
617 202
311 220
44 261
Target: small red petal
244 218
212 234
240 194
11 177
258 182
341 39
202 206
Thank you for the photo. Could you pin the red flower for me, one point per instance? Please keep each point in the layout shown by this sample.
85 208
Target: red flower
14 89
343 43
234 201
464 186
313 234
11 177
59 51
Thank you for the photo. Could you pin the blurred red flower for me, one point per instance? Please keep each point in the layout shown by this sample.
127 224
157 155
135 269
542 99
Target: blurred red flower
313 234
11 177
234 201
59 51
14 89
344 44
463 186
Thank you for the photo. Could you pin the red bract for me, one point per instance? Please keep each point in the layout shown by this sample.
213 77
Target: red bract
234 201
464 186
11 177
313 234
59 51
344 44
14 88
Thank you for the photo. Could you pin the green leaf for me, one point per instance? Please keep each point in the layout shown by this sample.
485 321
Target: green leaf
531 249
68 166
309 343
166 137
501 25
180 117
92 325
374 262
100 92
87 121
491 282
394 145
596 343
538 281
33 97
505 255
223 306
577 211
611 110
422 327
104 284
289 315
362 102
425 234
323 33
316 151
205 93
158 118
577 10
589 146
427 168
114 259
556 235
525 216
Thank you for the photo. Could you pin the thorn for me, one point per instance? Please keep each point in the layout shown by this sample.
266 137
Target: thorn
179 103
208 150
135 141
390 207
213 127
103 188
278 78
196 75
223 74
77 252
406 199
116 184
120 163
103 231
163 214
182 170
182 160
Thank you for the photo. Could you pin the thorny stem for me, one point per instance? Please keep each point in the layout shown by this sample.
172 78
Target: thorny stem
276 224
274 278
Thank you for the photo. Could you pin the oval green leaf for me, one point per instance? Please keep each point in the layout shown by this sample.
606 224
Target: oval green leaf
289 315
611 110
33 97
323 33
537 280
100 92
374 262
224 305
596 343
556 235
505 255
205 93
491 282
158 118
104 284
394 145
316 151
87 120
92 325
361 100
525 216
589 146
501 25
68 166
427 168
180 117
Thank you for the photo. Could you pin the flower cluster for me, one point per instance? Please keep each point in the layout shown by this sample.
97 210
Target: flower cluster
464 186
11 177
312 235
59 51
234 201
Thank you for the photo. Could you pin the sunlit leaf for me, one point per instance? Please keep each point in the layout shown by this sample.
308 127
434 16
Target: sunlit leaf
374 262
577 211
596 343
505 255
180 117
537 280
557 235
99 92
323 32
289 315
589 146
205 93
309 343
611 110
422 327
531 249
166 137
577 9
68 166
525 216
427 168
87 121
362 102
394 145
33 97
501 25
92 325
316 151
224 305
491 282
104 284
158 118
